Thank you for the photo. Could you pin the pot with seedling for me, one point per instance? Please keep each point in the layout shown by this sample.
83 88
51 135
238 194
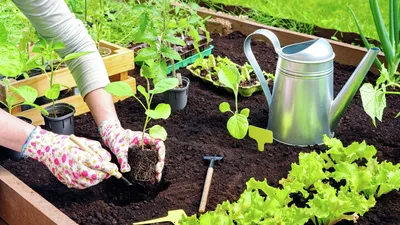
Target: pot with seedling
143 160
96 17
60 118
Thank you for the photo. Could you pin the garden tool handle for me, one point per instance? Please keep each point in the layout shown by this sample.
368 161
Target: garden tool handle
86 148
206 189
253 62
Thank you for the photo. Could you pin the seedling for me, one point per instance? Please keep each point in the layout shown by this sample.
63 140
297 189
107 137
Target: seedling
47 50
12 65
374 98
237 124
161 111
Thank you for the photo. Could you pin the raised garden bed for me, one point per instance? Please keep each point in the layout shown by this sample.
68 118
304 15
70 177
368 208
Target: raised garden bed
199 130
118 63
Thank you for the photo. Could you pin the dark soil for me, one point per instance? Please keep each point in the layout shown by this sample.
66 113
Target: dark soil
200 130
143 164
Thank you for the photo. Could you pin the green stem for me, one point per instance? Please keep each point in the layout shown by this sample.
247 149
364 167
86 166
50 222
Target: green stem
144 130
392 93
236 102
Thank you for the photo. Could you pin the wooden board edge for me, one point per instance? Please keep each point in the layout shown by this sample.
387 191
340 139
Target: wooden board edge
22 205
345 53
76 100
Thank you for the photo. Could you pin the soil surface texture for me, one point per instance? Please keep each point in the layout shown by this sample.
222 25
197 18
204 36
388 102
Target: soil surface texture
200 130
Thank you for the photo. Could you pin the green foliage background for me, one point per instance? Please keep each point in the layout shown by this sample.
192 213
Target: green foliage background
323 13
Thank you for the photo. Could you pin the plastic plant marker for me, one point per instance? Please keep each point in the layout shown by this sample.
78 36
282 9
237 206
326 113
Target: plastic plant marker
262 136
173 216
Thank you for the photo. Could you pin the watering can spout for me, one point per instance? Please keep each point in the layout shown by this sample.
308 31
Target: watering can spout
348 91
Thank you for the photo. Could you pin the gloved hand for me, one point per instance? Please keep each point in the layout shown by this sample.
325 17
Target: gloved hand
67 161
120 140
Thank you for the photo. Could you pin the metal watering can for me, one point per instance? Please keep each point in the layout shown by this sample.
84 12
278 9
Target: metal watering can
301 106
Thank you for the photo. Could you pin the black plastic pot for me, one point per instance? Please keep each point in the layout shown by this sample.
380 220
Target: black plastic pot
64 122
177 97
16 156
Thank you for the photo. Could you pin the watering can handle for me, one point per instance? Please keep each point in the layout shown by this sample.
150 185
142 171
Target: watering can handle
253 62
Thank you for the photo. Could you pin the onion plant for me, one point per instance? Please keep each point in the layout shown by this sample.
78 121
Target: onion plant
374 98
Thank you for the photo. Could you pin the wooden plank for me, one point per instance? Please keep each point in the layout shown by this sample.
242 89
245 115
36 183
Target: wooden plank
119 62
76 100
22 205
345 53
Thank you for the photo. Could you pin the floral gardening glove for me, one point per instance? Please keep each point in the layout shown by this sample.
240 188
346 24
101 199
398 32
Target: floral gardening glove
120 140
67 161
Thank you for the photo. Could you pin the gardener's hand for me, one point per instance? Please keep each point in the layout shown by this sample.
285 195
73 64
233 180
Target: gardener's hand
67 161
120 140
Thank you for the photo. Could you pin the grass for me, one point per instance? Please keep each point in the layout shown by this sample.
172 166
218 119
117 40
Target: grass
332 14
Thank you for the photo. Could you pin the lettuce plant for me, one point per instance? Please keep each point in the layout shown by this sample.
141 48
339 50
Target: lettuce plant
374 98
322 188
237 124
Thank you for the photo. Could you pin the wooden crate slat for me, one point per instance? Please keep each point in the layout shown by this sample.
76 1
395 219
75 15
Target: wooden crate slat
22 205
76 101
120 61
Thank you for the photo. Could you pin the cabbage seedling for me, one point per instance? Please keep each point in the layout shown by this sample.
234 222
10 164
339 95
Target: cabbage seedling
237 124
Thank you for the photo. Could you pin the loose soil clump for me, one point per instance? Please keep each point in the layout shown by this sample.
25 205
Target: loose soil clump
143 163
199 130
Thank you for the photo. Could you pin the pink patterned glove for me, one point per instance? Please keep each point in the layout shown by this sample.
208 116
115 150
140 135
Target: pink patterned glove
67 161
120 140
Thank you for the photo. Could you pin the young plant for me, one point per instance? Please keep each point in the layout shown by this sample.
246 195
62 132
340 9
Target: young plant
96 17
12 65
47 50
161 111
237 124
374 98
153 30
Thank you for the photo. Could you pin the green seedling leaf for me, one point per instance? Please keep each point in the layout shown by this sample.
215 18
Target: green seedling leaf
3 34
158 132
262 136
143 21
119 89
175 40
29 94
230 77
245 112
143 91
398 114
164 85
154 70
11 100
32 63
170 54
38 107
374 101
224 107
238 125
58 45
53 92
39 46
75 55
162 111
10 61
145 54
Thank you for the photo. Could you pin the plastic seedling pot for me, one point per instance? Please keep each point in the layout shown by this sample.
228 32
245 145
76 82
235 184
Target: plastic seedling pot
16 156
64 122
177 97
104 51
